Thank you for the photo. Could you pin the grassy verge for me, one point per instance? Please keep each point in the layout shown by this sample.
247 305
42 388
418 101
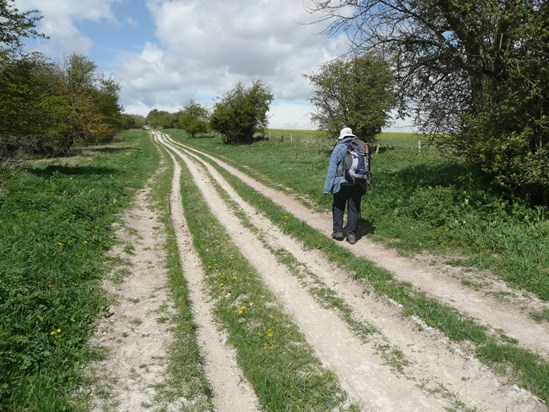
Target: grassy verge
56 224
526 369
420 202
271 351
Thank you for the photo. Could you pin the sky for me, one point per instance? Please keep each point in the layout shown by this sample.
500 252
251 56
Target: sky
165 53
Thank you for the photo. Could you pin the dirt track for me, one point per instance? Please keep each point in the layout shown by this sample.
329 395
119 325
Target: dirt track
438 375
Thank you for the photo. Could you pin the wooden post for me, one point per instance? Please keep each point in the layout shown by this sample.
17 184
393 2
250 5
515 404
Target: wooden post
377 148
419 146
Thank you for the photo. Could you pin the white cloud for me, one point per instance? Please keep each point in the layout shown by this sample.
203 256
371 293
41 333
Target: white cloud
204 48
290 115
59 18
200 50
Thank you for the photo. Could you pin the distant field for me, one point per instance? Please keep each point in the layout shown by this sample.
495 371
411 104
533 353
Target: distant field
295 134
391 139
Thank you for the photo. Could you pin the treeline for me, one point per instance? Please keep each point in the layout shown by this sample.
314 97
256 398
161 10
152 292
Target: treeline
47 108
240 116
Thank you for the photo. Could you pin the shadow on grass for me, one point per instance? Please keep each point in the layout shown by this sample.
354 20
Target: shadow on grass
453 175
49 171
105 149
365 227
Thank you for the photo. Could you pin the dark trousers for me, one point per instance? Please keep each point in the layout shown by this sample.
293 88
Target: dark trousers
349 196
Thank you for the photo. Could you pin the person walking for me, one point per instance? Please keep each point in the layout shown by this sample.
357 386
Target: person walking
346 192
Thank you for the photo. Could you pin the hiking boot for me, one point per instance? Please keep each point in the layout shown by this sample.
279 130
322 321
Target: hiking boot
338 236
351 238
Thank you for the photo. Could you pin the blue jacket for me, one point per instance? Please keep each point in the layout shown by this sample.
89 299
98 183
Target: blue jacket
336 176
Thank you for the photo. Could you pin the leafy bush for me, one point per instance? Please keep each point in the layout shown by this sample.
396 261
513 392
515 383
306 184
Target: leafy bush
242 113
193 119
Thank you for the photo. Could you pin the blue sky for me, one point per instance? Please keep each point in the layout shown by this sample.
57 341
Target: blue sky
164 53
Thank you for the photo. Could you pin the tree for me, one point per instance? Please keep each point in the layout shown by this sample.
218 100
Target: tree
95 114
355 92
193 118
241 115
473 73
14 25
132 121
160 118
33 109
46 108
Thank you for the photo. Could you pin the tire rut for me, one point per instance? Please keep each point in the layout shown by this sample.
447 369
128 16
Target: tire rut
437 374
495 314
231 391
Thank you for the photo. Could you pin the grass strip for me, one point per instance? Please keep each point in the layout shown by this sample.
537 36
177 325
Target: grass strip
440 316
186 378
56 221
273 354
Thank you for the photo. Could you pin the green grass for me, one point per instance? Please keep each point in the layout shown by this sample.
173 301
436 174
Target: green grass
494 350
56 224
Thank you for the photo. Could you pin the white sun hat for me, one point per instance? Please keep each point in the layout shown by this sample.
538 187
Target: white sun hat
345 132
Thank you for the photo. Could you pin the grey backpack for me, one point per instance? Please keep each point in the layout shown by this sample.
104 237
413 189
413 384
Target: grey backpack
357 162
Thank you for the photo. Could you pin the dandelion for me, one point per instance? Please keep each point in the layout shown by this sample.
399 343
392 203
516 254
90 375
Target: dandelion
270 333
52 333
286 218
221 284
242 310
234 277
58 330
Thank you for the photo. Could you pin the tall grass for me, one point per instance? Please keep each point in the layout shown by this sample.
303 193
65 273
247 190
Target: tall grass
420 201
56 223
